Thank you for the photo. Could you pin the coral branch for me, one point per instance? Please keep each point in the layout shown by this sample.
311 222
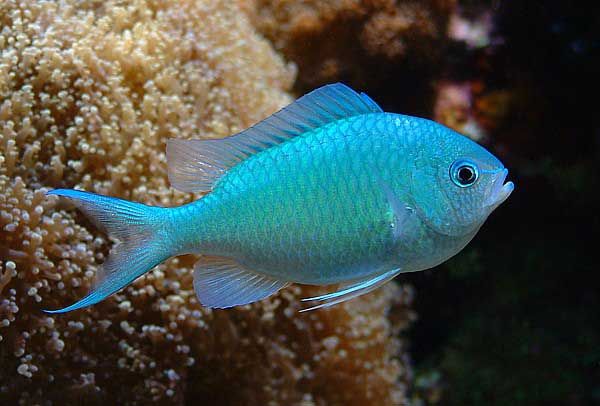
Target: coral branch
89 93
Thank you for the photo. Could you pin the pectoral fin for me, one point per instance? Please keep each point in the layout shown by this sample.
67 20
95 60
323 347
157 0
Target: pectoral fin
404 214
351 291
223 283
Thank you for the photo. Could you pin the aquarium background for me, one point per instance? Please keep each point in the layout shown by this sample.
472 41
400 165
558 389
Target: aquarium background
512 320
91 90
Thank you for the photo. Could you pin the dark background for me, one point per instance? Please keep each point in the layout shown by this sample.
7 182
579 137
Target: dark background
514 318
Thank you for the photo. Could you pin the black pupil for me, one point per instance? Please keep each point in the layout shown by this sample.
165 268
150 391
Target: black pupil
466 175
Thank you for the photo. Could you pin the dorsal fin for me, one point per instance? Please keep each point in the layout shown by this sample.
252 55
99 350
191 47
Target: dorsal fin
194 165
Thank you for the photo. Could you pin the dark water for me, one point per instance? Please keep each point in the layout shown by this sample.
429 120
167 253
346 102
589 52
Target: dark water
515 318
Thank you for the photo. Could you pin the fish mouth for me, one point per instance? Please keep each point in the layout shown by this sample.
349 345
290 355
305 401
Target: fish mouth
500 190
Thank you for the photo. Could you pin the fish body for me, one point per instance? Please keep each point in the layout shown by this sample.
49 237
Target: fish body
312 210
329 190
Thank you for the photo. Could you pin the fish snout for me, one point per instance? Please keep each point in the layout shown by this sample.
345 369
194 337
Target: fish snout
500 190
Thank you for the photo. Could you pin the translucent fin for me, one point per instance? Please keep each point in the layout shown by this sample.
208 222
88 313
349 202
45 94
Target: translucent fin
350 292
404 215
374 106
223 283
139 248
195 165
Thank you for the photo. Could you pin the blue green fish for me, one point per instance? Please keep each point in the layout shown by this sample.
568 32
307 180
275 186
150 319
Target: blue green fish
329 190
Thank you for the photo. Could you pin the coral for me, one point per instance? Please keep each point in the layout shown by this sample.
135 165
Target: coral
474 31
90 91
455 107
465 98
346 39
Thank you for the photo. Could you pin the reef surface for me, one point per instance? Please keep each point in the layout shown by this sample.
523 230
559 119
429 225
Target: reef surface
359 41
89 93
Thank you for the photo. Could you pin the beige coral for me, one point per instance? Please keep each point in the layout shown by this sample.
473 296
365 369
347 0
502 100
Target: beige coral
90 91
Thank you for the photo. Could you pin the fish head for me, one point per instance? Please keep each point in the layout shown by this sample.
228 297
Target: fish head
457 183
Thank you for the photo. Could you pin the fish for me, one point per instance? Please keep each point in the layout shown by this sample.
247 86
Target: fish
330 190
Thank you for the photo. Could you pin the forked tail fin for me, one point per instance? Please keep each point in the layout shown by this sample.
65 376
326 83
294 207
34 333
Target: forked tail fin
143 241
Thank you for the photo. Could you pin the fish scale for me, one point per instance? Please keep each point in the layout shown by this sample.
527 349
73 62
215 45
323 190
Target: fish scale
317 196
330 189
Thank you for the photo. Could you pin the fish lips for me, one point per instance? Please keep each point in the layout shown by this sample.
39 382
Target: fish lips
499 190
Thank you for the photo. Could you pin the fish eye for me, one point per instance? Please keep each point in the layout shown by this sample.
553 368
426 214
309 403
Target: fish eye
464 173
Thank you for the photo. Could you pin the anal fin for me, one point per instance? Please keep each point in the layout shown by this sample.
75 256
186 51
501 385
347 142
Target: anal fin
351 291
221 283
